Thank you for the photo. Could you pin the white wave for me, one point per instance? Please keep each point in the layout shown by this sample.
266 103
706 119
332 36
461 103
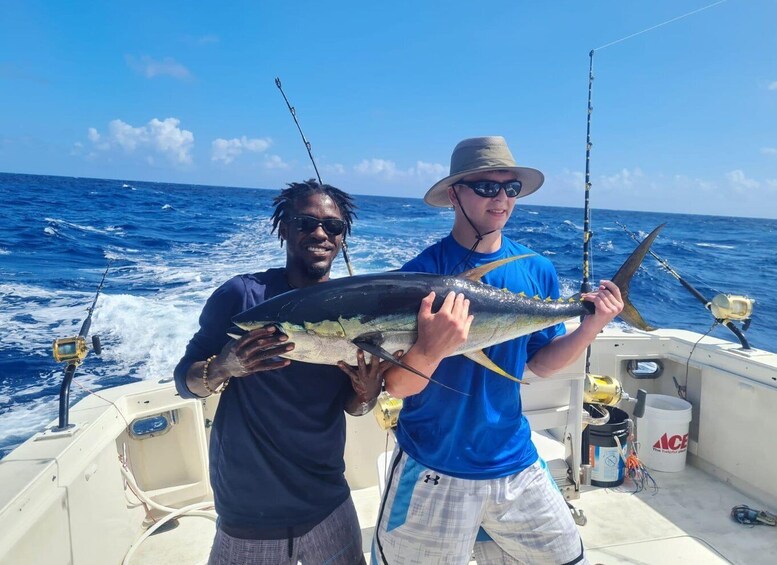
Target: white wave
4 251
568 287
48 230
606 246
715 246
146 336
167 207
90 229
572 224
23 420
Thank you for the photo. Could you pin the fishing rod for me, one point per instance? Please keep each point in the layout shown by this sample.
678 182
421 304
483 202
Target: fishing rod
725 308
73 351
293 112
585 285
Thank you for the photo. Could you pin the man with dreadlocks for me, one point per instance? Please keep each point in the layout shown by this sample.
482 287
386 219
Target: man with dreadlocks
278 436
465 468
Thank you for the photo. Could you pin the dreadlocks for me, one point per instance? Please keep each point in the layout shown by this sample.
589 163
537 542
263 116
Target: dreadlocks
284 202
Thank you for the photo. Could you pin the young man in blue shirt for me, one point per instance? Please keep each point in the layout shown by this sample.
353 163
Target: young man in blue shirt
278 436
463 462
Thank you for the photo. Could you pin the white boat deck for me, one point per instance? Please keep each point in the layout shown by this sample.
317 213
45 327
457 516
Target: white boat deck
64 497
685 521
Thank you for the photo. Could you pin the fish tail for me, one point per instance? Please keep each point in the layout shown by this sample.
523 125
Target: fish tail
622 279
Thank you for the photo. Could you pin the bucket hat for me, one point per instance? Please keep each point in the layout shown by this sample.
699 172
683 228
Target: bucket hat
479 154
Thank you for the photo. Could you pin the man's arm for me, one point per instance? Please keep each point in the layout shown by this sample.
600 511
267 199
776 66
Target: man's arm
439 335
252 353
563 350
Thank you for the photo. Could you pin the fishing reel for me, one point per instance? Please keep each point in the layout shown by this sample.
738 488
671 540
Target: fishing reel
387 411
73 350
602 390
731 307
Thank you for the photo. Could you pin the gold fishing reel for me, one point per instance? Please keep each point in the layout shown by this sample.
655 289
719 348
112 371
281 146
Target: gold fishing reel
70 350
731 307
601 389
73 350
387 411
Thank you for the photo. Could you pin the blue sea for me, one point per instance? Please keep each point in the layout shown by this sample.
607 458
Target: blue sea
171 245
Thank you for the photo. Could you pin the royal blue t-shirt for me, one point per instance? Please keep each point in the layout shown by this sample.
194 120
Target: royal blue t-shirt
278 437
484 435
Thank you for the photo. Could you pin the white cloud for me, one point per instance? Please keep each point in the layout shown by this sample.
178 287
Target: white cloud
624 179
275 162
162 137
227 150
739 181
388 170
434 170
769 150
772 85
207 39
151 68
334 168
377 167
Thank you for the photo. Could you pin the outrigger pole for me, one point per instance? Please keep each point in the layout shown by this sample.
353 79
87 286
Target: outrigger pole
293 112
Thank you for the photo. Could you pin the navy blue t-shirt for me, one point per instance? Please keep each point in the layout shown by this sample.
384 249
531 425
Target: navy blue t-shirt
278 437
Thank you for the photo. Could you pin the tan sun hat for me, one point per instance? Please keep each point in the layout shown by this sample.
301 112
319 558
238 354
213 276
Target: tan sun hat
479 154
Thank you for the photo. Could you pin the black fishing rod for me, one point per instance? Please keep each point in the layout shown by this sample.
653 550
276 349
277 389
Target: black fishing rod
724 307
73 350
293 112
585 285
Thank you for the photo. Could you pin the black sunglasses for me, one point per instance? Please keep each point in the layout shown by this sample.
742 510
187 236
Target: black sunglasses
309 224
490 188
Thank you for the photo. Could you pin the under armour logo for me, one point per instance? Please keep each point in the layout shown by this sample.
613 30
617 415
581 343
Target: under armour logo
436 479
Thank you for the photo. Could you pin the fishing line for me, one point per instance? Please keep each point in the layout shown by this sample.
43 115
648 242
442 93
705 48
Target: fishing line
293 112
104 400
682 391
658 25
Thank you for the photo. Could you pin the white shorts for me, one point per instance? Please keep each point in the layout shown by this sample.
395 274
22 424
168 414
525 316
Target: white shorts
429 518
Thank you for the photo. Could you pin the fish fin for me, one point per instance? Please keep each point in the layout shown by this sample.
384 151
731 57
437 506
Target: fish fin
236 332
481 358
477 273
631 316
370 342
623 277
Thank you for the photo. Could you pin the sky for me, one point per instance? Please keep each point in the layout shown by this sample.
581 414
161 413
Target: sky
684 119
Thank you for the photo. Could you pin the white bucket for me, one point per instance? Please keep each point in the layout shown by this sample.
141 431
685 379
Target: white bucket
663 433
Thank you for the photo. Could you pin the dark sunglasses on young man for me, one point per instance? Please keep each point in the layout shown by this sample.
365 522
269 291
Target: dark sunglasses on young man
309 224
490 188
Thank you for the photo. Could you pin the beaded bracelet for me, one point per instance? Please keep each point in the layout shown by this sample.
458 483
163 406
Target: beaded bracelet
205 382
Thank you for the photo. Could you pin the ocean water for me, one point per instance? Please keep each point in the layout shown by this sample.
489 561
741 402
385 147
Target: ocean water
171 245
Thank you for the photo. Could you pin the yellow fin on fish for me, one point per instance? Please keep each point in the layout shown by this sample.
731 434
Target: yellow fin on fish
478 273
482 359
